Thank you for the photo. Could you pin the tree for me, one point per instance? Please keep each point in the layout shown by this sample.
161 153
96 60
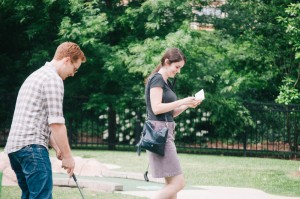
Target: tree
289 90
28 30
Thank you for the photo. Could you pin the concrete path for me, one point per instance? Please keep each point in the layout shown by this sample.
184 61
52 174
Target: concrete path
212 192
95 176
139 187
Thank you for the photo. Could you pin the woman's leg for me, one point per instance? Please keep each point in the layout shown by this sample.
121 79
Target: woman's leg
173 186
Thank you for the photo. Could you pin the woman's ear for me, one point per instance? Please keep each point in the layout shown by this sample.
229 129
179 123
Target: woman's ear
167 62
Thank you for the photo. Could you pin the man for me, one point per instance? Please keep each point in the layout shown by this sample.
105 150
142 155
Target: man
38 122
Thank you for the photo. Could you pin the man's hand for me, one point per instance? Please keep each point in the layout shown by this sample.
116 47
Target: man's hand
59 132
69 165
58 154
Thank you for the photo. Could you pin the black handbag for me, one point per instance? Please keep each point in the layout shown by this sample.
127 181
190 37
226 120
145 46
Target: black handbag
152 140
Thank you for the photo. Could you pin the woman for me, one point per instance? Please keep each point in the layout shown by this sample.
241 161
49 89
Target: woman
162 105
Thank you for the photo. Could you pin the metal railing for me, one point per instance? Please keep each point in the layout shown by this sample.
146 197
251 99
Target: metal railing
273 129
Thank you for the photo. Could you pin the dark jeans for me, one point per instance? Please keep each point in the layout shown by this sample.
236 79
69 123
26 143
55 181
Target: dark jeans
33 170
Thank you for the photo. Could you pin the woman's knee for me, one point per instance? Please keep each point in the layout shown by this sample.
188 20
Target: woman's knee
181 183
177 181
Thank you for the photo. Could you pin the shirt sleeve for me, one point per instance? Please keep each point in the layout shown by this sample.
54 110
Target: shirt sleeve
157 81
54 92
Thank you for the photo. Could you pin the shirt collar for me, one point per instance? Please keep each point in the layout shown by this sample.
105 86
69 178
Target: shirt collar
51 66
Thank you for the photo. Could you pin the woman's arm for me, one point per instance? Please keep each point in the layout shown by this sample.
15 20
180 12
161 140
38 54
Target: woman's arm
179 110
158 107
182 108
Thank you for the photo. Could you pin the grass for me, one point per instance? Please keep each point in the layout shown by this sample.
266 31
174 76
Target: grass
274 176
0 182
66 193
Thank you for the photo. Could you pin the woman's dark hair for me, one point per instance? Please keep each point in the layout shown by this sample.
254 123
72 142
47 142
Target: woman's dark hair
173 55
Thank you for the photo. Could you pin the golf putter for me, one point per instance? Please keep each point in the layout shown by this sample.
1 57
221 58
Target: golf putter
75 179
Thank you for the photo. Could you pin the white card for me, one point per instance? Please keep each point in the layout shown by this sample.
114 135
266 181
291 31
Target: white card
200 95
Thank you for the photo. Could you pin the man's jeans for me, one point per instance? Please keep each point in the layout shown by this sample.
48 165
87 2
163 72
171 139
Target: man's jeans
33 170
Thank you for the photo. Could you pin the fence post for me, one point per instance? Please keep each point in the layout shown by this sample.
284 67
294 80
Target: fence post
137 128
112 126
245 143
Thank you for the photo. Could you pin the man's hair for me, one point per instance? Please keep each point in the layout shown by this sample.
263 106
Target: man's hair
69 49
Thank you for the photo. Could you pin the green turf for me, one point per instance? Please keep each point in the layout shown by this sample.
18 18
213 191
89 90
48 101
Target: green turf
0 182
274 176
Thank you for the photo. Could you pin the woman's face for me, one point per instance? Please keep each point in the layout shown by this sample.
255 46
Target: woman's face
174 68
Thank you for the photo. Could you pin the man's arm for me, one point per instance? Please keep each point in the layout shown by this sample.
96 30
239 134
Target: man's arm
59 133
53 144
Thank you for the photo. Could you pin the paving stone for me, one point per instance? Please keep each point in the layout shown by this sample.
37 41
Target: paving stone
88 184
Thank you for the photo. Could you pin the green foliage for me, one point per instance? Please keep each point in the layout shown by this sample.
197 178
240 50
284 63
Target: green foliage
86 23
237 117
27 32
154 18
291 22
288 93
245 58
289 90
256 22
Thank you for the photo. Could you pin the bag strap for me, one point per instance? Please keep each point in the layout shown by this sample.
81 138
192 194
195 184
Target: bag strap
166 120
148 92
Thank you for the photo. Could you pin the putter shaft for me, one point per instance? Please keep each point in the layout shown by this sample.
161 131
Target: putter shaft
75 179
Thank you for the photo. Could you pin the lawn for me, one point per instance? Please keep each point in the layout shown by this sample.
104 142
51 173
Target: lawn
274 176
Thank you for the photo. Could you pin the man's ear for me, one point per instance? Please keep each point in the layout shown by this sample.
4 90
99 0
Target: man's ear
67 60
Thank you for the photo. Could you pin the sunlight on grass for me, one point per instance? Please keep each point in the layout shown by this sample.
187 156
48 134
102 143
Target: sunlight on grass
274 176
14 192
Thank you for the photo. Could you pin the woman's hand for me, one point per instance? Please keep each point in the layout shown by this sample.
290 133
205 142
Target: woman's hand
196 103
189 101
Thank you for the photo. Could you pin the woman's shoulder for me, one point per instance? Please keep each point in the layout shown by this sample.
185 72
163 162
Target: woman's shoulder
157 76
157 80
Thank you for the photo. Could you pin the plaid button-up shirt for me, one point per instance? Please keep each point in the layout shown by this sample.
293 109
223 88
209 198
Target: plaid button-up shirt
39 103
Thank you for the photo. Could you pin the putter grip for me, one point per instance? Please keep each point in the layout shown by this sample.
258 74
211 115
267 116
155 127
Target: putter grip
75 179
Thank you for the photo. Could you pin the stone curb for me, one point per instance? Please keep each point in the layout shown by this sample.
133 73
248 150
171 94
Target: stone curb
85 168
130 175
92 185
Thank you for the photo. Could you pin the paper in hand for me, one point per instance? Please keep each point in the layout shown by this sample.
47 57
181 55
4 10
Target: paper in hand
200 95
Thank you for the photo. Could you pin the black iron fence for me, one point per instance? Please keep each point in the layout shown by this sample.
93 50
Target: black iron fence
270 129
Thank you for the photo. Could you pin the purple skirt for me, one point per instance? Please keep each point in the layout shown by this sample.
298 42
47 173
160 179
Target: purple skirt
168 165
